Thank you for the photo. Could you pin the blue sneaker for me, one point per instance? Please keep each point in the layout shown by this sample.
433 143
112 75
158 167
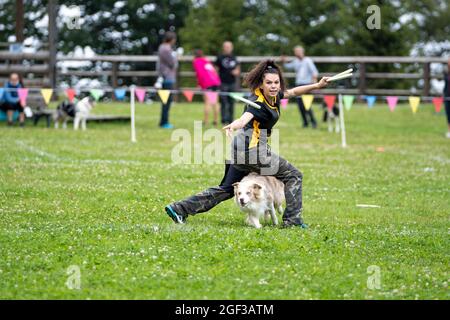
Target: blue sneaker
167 126
177 218
288 225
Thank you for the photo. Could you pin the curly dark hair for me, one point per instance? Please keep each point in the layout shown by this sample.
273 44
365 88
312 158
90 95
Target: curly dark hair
255 77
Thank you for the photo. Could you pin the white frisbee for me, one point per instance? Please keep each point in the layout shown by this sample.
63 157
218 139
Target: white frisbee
251 103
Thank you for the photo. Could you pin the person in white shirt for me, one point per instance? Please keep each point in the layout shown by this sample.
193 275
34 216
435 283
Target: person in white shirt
305 73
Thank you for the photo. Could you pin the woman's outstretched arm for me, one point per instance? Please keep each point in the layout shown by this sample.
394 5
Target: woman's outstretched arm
298 91
238 123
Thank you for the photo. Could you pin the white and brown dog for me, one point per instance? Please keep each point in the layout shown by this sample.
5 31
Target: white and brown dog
259 196
82 110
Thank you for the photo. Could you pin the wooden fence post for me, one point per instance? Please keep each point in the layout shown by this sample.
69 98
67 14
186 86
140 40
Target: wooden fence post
426 79
114 77
362 78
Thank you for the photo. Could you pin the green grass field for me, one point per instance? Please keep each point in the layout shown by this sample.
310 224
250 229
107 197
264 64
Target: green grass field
95 200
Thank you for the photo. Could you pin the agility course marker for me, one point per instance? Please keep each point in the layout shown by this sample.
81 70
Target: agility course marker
341 118
132 110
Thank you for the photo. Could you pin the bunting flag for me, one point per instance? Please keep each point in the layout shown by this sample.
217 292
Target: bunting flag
70 94
392 102
371 101
140 94
348 102
212 96
96 93
307 100
164 95
437 101
188 94
414 103
23 93
47 95
119 93
329 101
284 103
1 93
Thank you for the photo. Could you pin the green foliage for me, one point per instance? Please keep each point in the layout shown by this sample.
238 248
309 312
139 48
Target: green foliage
34 10
138 25
273 27
95 200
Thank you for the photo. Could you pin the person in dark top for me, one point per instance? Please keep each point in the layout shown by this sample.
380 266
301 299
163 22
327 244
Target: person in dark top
11 101
229 69
167 69
250 150
447 97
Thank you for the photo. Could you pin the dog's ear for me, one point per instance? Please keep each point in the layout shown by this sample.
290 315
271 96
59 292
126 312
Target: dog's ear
257 186
235 185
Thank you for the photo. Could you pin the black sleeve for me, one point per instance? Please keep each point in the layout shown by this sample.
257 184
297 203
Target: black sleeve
257 113
218 61
280 95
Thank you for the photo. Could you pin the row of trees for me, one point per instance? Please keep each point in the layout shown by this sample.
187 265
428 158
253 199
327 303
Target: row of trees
257 27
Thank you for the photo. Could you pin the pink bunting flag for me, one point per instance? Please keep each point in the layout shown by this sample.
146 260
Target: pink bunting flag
23 93
329 101
284 103
392 102
70 94
140 94
188 95
212 96
437 101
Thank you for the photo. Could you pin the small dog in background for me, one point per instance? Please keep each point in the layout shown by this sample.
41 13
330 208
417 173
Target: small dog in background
331 116
64 111
259 196
82 110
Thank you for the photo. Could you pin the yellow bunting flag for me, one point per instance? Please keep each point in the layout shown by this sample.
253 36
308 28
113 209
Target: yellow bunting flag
414 103
164 95
47 94
307 100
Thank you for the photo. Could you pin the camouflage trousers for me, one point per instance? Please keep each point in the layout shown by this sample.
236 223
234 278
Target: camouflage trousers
280 169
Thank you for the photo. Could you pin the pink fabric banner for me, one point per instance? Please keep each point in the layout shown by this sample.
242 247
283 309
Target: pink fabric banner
284 103
329 101
392 102
23 93
188 94
437 101
70 94
140 94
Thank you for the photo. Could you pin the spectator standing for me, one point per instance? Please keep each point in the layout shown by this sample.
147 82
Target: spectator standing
207 79
229 69
167 69
305 73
